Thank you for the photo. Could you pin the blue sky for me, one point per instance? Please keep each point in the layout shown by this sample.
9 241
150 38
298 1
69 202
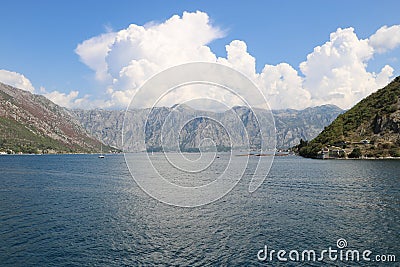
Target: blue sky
39 38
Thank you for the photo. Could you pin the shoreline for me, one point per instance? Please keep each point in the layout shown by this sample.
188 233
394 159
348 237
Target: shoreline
363 158
57 154
238 155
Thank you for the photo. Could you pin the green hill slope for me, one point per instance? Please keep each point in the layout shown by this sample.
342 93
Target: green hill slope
369 129
33 124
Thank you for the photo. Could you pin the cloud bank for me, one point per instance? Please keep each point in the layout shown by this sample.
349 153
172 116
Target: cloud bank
16 79
333 73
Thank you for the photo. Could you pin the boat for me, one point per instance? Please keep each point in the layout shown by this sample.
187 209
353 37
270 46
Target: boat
101 156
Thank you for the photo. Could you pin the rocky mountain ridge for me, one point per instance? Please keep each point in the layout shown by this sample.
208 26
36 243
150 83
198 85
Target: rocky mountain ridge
31 123
291 125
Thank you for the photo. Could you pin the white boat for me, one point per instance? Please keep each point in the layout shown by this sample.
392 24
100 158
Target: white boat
101 156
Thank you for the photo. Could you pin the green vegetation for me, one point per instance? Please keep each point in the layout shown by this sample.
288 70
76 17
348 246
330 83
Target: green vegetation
16 137
356 153
394 152
224 148
370 125
190 150
307 149
33 124
154 149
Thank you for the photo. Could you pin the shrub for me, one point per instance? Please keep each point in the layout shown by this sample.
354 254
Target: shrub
394 152
356 153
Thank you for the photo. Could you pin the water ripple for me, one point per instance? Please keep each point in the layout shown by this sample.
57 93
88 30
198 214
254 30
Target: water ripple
73 210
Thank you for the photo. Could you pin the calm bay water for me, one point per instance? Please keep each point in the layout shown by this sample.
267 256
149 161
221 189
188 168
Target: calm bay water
78 210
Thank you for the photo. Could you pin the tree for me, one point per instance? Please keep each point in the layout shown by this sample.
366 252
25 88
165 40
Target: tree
302 144
356 153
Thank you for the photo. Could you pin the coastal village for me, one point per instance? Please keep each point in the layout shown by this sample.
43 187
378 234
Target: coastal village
344 150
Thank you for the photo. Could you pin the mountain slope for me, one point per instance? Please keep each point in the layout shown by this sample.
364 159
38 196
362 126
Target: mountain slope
370 128
33 124
291 125
294 125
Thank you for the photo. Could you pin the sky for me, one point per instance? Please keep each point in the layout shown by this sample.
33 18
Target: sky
97 54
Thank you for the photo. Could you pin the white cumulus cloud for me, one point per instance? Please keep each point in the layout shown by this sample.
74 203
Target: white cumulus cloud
386 38
93 52
333 73
132 55
69 100
16 79
239 59
73 100
336 72
283 87
280 84
63 99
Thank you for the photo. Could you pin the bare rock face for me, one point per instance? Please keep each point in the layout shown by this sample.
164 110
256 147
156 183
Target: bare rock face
38 122
390 122
395 121
186 128
294 125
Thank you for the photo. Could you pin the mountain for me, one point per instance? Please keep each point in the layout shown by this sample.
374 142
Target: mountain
295 125
291 126
369 129
31 123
